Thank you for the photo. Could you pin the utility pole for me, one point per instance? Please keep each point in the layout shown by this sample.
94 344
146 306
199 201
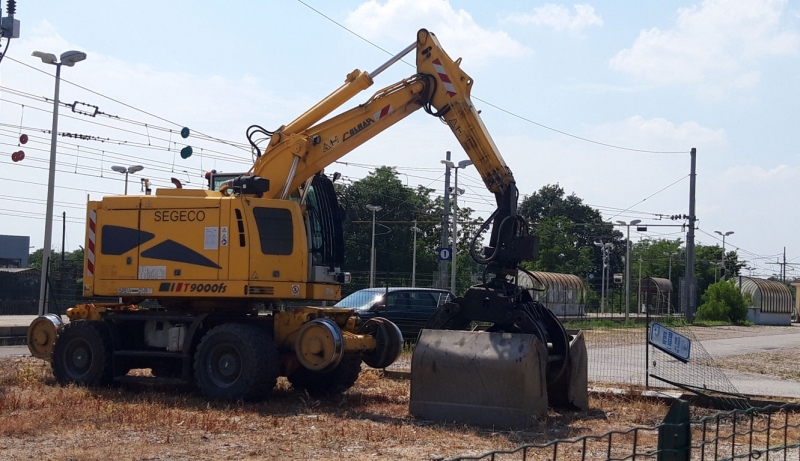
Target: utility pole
628 266
689 294
373 209
415 229
445 223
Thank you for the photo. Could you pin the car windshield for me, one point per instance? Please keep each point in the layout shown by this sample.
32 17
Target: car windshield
361 300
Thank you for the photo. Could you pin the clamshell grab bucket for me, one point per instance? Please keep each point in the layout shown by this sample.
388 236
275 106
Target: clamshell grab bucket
487 379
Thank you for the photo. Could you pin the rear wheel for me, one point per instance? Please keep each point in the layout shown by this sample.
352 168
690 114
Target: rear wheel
322 383
236 361
83 354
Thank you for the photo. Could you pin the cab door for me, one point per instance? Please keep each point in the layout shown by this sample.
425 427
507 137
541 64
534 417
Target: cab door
278 246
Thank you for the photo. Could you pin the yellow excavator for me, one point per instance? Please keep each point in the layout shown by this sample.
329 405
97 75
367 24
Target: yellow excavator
201 275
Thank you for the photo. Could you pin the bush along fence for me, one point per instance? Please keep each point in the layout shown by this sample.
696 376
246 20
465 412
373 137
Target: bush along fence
767 433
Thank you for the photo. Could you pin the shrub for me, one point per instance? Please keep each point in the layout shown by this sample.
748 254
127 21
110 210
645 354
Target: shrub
724 301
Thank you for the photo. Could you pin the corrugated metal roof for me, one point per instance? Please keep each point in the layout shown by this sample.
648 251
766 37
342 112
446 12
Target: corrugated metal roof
768 295
656 284
550 279
564 288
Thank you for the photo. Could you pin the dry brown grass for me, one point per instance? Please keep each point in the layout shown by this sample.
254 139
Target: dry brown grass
41 420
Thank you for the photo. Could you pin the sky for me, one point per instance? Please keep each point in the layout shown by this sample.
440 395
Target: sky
604 98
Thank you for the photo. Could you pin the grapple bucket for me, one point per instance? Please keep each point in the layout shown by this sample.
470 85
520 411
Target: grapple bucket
487 379
492 379
572 388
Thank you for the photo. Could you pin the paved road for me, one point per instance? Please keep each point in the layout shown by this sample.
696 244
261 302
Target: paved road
14 351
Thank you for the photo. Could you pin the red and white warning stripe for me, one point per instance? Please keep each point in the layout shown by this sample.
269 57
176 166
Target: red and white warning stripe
448 85
92 230
382 113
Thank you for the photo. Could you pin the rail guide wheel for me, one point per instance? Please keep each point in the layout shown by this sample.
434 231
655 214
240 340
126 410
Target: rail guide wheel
320 345
42 334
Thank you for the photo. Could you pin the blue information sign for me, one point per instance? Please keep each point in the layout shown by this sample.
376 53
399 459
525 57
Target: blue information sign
672 343
445 253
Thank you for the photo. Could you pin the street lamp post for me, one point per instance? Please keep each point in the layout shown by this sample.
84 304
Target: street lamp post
68 58
669 271
605 248
454 251
373 209
722 275
669 277
130 170
628 265
414 229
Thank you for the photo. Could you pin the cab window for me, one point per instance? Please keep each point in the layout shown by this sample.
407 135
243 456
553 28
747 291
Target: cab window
274 230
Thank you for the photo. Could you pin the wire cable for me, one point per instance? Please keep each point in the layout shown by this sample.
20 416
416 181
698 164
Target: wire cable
613 146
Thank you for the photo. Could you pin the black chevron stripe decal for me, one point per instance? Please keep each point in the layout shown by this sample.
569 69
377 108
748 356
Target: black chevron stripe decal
171 250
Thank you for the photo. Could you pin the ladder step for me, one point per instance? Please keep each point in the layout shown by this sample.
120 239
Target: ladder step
161 354
151 380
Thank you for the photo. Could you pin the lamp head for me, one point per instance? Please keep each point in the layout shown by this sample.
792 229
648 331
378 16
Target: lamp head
119 169
448 163
464 163
69 58
374 208
135 168
47 58
635 222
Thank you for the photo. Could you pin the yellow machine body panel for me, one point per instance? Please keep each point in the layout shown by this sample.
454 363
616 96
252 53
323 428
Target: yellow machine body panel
199 245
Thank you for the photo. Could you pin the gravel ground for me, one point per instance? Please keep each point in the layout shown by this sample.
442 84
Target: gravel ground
781 363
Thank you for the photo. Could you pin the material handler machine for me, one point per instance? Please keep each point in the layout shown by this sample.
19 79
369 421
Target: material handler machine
218 262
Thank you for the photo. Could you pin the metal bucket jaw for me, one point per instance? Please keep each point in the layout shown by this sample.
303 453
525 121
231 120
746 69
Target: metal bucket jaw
492 379
487 379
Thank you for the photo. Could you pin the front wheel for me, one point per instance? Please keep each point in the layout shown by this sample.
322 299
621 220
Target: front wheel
82 354
236 361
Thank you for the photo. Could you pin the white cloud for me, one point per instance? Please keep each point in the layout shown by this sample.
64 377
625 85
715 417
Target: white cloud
401 19
754 175
560 18
715 43
659 134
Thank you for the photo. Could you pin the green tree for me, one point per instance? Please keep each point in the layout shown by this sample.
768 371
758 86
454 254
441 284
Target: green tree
724 301
708 261
660 258
568 230
400 206
557 250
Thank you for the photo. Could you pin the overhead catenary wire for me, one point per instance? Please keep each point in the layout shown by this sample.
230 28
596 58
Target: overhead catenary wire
508 112
120 102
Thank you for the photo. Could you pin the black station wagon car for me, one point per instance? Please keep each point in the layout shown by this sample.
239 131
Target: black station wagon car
408 308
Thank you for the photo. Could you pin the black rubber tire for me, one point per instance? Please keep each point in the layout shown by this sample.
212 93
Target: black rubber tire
336 381
83 354
236 362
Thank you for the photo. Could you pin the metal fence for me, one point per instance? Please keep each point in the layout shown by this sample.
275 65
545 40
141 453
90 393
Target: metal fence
19 292
767 433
